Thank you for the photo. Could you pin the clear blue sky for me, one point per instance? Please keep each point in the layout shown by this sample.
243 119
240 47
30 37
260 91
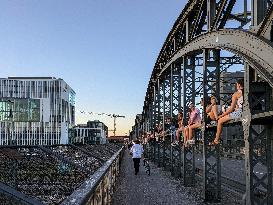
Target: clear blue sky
105 50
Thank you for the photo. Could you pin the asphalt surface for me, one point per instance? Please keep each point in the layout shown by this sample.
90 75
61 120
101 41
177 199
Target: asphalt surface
158 188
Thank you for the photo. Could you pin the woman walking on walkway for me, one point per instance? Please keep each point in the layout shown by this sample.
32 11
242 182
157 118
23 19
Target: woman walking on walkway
137 151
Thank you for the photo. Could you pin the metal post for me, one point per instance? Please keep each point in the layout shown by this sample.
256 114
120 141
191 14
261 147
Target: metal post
188 83
188 97
258 139
258 9
211 11
211 154
156 106
167 94
188 166
160 99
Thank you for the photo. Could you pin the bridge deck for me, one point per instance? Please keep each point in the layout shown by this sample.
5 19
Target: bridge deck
158 188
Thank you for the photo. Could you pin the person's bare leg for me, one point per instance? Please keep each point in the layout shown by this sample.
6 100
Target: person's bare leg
192 127
215 111
190 131
186 130
177 133
221 121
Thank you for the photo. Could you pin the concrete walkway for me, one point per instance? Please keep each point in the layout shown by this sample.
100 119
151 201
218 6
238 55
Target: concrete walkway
158 188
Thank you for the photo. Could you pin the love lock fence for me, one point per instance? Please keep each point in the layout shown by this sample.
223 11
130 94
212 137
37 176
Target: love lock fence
61 174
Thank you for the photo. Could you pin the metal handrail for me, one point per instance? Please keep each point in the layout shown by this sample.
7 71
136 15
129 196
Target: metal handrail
88 188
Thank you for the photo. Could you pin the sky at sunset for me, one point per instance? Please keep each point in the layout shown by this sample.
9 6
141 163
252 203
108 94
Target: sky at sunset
105 50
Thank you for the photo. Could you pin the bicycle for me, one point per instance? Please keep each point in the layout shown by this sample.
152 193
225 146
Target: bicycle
147 166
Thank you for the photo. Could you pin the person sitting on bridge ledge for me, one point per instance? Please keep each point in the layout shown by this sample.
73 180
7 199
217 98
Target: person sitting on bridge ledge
158 132
213 110
180 128
169 129
233 112
194 123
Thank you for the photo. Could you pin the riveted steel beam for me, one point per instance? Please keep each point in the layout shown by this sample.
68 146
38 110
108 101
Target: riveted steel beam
239 42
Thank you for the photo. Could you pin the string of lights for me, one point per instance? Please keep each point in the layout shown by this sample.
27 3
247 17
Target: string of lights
115 116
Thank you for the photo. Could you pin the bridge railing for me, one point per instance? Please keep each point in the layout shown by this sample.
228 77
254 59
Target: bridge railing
99 188
186 162
50 174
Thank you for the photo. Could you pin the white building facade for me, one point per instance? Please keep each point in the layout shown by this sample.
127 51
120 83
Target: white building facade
35 111
94 132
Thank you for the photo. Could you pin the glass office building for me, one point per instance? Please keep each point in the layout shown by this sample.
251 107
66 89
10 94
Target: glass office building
35 111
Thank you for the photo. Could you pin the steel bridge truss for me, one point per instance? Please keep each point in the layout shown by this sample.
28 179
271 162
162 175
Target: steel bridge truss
203 29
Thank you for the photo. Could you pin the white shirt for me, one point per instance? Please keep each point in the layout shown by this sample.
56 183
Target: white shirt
137 150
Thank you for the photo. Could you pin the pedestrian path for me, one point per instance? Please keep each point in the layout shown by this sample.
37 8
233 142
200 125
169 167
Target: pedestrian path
158 188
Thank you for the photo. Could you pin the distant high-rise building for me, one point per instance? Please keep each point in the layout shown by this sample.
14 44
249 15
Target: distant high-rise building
35 110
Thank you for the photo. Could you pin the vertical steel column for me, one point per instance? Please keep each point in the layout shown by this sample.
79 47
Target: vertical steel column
161 116
258 9
171 91
211 154
156 104
151 116
188 83
154 117
188 168
176 88
160 98
211 11
145 121
167 90
258 139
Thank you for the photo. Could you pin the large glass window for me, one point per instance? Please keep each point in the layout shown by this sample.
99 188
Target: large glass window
5 110
19 110
72 98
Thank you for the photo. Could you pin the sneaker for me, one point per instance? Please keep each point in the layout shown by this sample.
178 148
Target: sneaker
213 123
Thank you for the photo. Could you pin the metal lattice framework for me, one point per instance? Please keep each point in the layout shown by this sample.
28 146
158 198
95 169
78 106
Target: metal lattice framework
203 30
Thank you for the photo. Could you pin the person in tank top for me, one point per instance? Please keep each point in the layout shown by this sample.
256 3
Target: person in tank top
233 112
